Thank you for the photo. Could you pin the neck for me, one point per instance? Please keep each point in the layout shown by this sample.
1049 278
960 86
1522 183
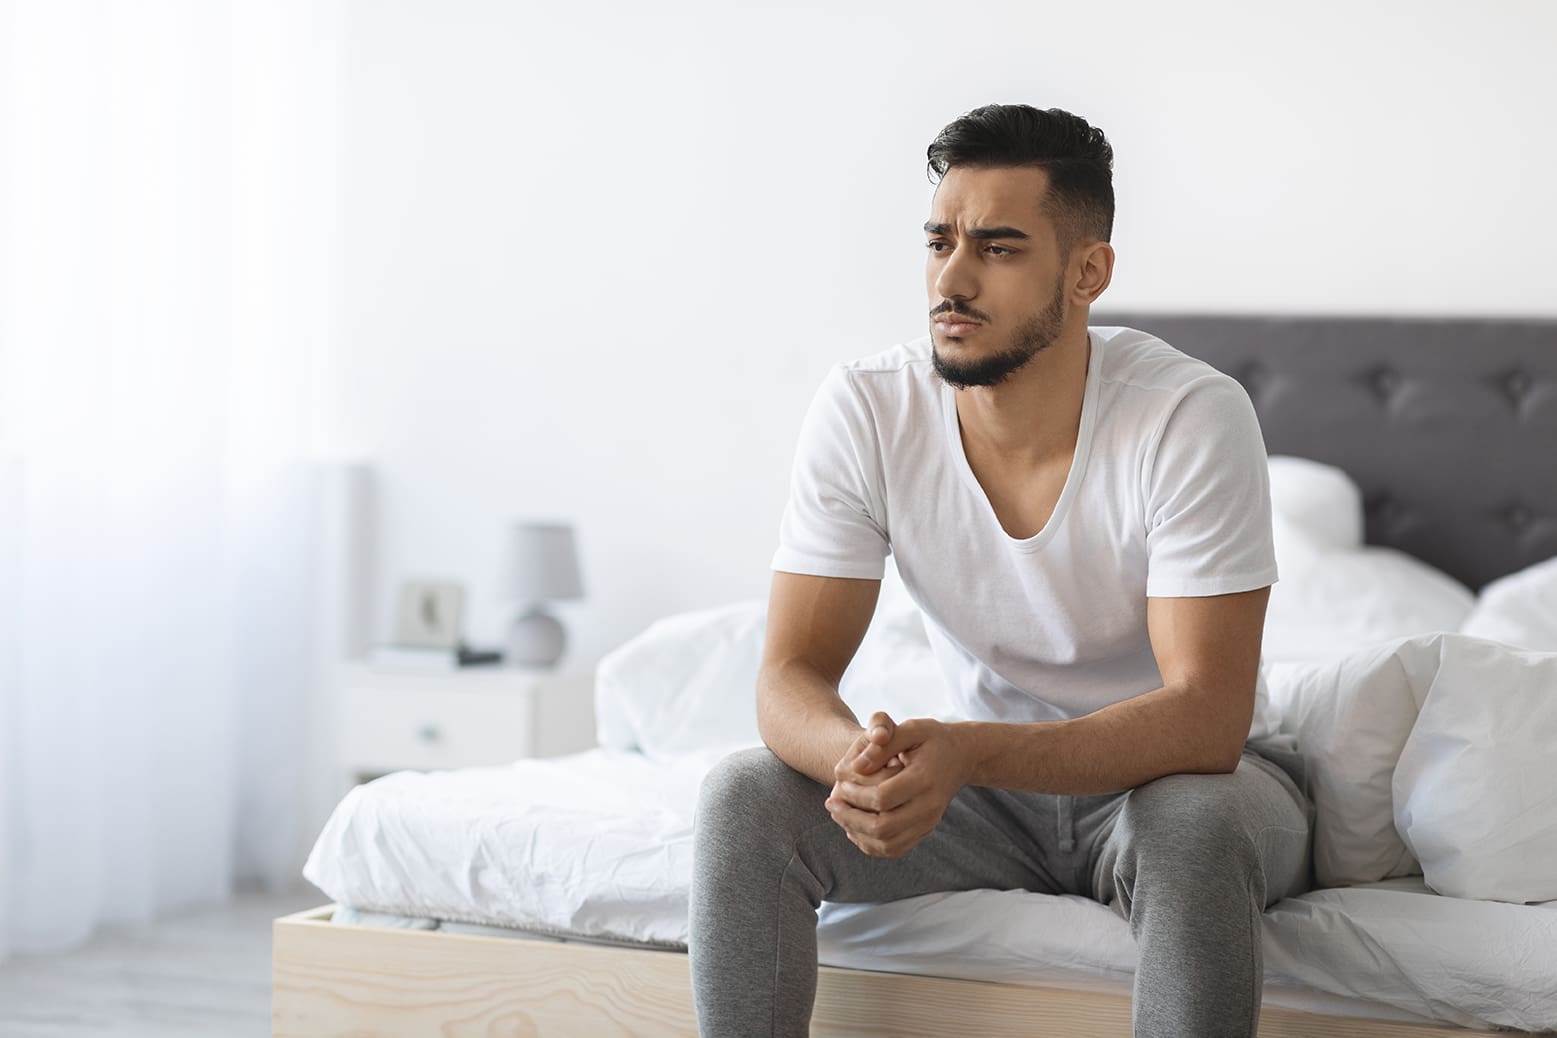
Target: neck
1032 418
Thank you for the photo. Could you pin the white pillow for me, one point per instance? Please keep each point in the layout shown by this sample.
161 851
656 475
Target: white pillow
1475 789
1320 499
1351 716
1339 601
1297 550
1334 594
688 683
1519 609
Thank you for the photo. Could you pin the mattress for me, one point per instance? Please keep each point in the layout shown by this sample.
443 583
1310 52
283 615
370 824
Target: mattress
598 846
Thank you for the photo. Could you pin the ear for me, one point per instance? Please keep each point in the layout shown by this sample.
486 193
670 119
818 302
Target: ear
1092 265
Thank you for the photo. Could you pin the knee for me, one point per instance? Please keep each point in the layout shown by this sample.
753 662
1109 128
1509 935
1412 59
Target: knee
737 778
751 790
1187 824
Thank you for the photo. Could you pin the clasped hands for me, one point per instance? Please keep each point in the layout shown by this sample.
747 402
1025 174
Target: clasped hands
894 783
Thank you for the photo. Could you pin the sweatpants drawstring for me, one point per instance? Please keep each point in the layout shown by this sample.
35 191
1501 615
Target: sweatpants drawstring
1067 824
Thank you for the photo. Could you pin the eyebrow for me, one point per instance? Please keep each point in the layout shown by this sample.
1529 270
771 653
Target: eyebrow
931 227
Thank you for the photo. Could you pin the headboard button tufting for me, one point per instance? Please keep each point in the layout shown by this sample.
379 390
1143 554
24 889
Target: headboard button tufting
1518 517
1517 384
1385 382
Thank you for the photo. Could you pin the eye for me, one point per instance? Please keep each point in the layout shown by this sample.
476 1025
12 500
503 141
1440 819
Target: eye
997 250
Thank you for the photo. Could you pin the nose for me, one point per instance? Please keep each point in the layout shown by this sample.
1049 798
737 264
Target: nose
955 279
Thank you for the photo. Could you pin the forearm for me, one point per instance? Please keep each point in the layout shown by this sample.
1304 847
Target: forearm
1119 747
803 721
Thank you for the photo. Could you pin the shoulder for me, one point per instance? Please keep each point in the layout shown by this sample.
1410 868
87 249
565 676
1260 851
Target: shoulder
1140 361
880 390
893 381
905 358
909 359
1151 381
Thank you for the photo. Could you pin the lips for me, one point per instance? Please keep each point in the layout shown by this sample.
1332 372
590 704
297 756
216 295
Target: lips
951 324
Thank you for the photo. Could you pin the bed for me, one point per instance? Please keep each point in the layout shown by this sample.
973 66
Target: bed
1448 430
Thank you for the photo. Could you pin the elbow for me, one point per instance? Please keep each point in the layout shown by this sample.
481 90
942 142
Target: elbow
1228 751
1227 764
762 711
1225 722
1214 759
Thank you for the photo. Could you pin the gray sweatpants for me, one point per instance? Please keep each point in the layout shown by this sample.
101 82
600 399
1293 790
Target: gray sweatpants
1191 861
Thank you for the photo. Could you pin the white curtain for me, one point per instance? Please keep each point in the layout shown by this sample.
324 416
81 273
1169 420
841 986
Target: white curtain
168 286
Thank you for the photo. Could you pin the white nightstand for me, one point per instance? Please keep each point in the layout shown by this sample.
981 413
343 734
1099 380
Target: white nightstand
394 720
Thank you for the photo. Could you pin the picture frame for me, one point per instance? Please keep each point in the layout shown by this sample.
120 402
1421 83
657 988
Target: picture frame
430 614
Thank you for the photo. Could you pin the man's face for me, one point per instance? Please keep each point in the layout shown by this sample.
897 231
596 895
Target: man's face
994 259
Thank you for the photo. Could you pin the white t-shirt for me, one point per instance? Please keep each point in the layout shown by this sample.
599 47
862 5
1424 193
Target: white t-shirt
1168 495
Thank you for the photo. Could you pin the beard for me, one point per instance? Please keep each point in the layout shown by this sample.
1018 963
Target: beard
1031 339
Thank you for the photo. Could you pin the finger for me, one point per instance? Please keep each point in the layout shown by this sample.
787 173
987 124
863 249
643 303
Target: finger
886 829
898 831
862 823
880 729
879 734
885 794
893 766
868 760
876 778
846 762
905 737
877 848
870 757
858 796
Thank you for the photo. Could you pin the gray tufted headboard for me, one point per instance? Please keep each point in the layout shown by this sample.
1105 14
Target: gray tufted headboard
1449 426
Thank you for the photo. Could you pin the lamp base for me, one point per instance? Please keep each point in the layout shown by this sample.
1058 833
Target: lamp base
536 639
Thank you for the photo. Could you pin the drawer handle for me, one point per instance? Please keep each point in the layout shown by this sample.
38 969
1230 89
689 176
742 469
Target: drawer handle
429 733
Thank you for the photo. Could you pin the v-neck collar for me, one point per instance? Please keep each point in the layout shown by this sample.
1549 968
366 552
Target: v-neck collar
1078 461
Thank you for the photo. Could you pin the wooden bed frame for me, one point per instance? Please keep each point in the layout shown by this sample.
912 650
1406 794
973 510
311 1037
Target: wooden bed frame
332 979
1445 425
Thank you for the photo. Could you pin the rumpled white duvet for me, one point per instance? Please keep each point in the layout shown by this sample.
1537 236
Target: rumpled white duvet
600 844
1429 756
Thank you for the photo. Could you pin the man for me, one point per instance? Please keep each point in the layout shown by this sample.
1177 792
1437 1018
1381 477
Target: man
1083 515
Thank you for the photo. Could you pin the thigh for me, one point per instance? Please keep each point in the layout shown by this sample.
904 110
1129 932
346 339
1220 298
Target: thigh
754 808
1200 819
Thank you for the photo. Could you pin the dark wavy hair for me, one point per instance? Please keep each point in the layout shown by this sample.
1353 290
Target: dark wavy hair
1075 154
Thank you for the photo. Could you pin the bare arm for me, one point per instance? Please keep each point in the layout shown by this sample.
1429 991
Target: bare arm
814 626
1208 652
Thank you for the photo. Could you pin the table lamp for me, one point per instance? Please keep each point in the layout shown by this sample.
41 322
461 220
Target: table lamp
542 567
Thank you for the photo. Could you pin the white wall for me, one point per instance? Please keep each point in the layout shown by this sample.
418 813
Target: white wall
532 191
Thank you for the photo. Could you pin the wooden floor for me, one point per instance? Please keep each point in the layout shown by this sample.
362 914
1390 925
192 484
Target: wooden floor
206 973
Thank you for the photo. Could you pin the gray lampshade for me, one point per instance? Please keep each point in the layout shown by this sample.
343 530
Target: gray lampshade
542 563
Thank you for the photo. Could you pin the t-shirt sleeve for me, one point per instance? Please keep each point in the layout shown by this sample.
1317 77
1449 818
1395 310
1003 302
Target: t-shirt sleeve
1207 490
834 522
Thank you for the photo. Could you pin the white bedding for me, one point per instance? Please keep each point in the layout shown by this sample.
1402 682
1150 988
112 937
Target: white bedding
600 844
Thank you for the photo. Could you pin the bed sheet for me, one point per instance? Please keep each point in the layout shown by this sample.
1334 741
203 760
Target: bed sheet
599 844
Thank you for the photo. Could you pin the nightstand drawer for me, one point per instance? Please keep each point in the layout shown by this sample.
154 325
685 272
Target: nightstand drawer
388 728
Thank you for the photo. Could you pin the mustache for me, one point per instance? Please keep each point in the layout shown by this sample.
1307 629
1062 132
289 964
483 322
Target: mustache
958 311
